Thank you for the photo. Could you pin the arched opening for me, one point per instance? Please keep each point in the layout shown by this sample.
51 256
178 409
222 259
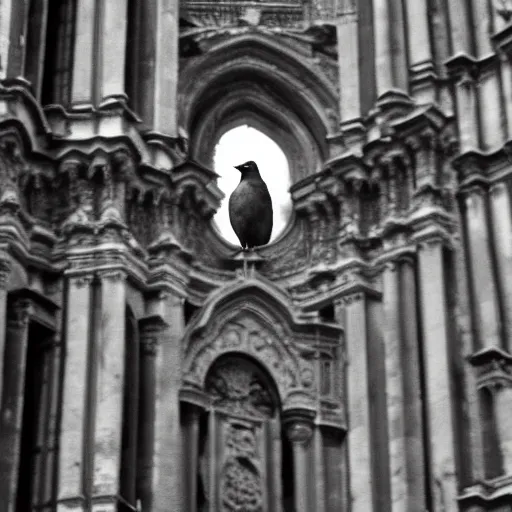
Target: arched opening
238 456
237 146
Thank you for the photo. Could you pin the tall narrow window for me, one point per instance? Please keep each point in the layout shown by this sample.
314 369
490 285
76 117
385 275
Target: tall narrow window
130 412
60 36
133 49
37 472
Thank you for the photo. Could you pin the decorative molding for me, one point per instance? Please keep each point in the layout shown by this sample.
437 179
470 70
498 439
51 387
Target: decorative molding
112 275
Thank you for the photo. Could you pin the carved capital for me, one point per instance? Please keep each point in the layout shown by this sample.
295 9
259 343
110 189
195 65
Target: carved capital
112 275
493 368
299 432
81 281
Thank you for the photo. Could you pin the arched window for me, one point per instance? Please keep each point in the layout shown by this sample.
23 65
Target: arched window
240 145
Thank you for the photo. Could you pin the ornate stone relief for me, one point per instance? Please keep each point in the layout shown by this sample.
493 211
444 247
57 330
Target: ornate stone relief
245 334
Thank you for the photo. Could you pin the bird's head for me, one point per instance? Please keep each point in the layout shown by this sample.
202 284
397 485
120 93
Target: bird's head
248 168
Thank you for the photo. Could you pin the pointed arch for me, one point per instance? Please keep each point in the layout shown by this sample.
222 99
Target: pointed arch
252 78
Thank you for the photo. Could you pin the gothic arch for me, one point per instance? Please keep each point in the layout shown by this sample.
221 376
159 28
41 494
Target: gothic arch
256 319
251 77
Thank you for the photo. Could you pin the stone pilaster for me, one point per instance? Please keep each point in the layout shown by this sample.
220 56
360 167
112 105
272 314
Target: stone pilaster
74 439
412 396
421 65
82 92
502 231
394 388
484 287
108 360
460 26
467 109
319 472
5 23
151 330
348 54
191 435
359 434
383 64
167 486
17 31
112 49
300 433
438 375
15 354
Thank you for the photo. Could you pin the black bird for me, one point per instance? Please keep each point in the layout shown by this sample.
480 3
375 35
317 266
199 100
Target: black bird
250 208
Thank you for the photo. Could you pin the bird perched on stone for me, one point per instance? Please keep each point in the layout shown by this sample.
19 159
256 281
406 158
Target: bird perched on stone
250 208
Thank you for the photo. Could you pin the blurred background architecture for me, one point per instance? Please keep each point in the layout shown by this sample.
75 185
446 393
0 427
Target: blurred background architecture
365 362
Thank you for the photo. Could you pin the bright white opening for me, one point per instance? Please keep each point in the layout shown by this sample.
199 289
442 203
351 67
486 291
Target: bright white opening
240 145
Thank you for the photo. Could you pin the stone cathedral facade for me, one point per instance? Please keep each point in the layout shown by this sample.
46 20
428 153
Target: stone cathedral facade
361 362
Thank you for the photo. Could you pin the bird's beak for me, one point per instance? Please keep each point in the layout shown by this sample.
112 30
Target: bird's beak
238 167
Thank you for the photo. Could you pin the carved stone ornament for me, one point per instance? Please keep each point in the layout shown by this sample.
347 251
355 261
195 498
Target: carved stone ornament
237 388
504 8
247 335
300 432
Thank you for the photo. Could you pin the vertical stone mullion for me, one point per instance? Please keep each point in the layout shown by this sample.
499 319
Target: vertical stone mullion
73 438
437 375
16 344
394 389
109 387
503 408
191 440
412 400
488 317
359 434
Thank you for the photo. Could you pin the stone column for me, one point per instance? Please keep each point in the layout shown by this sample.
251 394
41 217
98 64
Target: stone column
108 360
150 335
359 435
503 412
502 231
394 388
383 58
5 268
191 443
412 396
438 375
167 487
17 31
319 474
167 60
82 92
73 452
16 343
420 52
488 320
5 24
467 112
460 27
113 49
300 432
348 62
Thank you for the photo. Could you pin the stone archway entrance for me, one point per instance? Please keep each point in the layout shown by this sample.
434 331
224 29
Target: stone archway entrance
240 448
